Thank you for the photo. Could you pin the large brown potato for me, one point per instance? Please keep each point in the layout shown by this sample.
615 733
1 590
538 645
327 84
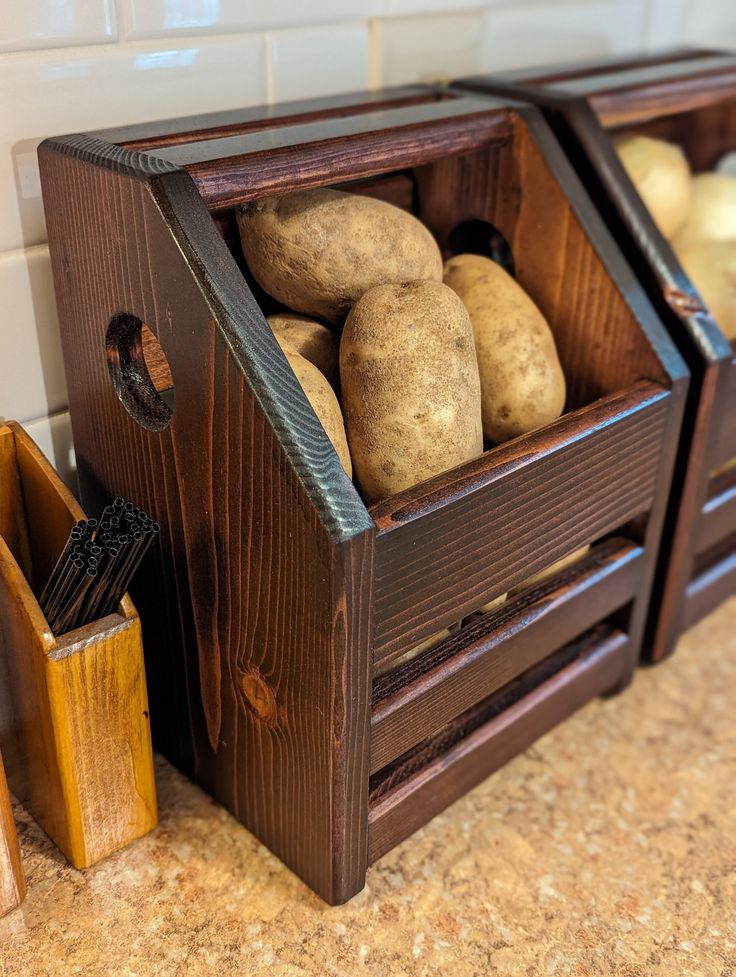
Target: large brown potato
410 386
712 267
661 174
324 404
522 384
310 339
712 214
551 570
318 251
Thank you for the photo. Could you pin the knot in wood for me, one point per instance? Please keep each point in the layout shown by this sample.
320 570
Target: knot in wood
259 696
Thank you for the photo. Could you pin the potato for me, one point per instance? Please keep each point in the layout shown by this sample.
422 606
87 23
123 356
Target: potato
412 653
324 404
712 211
521 380
318 251
712 267
661 174
310 339
410 386
550 571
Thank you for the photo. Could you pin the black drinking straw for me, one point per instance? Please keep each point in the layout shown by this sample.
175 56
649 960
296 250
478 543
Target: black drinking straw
96 566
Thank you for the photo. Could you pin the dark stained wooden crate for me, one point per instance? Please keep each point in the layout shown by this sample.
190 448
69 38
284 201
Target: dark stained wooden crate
277 601
687 97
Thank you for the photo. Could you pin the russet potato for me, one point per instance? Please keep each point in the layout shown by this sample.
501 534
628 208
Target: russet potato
324 403
318 251
712 267
661 174
410 386
305 337
522 384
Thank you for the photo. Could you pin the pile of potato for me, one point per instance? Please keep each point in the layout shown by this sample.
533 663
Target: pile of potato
697 214
426 359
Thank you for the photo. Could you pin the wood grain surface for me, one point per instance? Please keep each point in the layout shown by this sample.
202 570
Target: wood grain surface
271 576
257 603
689 98
12 876
524 711
74 722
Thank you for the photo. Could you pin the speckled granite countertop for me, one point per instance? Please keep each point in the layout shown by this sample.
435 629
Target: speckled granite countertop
609 848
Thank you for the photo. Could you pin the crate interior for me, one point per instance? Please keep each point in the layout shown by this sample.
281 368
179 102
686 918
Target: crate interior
483 185
502 199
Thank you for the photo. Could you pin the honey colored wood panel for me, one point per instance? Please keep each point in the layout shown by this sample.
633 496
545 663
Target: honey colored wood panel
12 508
449 545
449 774
256 603
12 876
74 724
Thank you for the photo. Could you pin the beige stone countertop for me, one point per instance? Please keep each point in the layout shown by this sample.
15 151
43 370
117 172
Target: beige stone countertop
609 848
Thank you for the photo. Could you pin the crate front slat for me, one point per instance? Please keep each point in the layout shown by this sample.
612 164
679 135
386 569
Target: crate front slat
499 648
474 541
402 810
725 449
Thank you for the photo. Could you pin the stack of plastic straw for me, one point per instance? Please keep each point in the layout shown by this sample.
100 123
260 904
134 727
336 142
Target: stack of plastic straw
96 566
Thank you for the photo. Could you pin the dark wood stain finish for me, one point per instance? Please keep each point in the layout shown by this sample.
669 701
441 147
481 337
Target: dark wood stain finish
275 593
688 97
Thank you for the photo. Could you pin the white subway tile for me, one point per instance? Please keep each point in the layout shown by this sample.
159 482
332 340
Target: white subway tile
156 18
548 33
315 61
51 23
666 23
31 371
711 23
72 90
430 48
53 435
404 7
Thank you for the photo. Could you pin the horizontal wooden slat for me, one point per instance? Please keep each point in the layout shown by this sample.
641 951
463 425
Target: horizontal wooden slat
217 125
726 443
446 547
401 811
709 589
718 519
234 169
488 654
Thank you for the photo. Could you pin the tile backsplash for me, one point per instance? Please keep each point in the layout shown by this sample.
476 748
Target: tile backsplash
83 64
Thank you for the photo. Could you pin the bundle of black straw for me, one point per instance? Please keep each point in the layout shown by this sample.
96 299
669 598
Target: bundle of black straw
96 566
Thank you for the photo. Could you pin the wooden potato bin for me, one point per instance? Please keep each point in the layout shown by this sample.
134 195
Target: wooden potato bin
689 98
278 601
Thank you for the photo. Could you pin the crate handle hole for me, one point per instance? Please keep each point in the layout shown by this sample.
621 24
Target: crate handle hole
140 372
481 237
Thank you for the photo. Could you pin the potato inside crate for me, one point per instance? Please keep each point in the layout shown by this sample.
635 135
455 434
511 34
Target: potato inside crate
502 199
504 202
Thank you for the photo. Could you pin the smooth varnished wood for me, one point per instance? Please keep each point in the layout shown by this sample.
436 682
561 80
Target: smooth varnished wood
274 592
687 97
12 876
74 721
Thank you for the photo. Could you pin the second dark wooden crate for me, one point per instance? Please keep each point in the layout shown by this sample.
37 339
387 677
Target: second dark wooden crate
687 97
278 600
